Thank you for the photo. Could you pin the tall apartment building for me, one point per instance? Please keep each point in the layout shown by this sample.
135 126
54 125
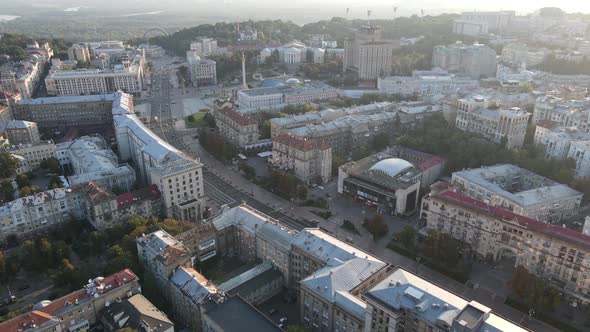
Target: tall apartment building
249 235
237 128
60 113
203 71
402 301
368 54
309 159
89 159
475 60
35 214
79 310
551 252
340 286
561 142
178 176
567 113
22 77
520 191
20 132
523 54
496 125
32 155
104 209
79 52
127 76
424 85
280 125
344 133
204 47
160 253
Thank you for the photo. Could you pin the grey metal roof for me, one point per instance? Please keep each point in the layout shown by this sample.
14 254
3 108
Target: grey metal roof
244 277
341 276
323 246
192 284
68 99
546 190
402 290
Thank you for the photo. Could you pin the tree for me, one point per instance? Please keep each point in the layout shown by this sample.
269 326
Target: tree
22 180
407 236
376 226
8 164
6 190
379 142
50 164
302 192
25 191
520 280
66 273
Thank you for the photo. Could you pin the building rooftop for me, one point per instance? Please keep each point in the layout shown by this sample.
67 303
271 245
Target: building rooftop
68 99
352 122
530 188
255 276
300 143
402 290
292 88
239 118
324 246
137 313
28 321
452 196
233 314
333 114
152 144
381 168
192 284
341 277
129 198
168 248
255 222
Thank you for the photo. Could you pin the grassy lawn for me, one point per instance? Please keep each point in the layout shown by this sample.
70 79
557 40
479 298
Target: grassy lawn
196 120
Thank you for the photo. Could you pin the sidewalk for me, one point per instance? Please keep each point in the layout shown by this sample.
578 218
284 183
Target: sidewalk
363 241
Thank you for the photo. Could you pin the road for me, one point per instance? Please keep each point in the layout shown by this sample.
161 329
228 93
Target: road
216 188
224 186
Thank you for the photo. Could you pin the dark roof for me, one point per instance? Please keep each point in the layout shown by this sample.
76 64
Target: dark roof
550 231
299 143
255 283
129 198
235 314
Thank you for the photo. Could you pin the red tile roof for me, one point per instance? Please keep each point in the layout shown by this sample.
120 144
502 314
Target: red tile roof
65 301
25 322
129 198
303 144
551 231
238 117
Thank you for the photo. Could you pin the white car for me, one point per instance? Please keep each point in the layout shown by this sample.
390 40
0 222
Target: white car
283 320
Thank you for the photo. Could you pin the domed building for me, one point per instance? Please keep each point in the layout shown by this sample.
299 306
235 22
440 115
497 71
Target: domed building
388 180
